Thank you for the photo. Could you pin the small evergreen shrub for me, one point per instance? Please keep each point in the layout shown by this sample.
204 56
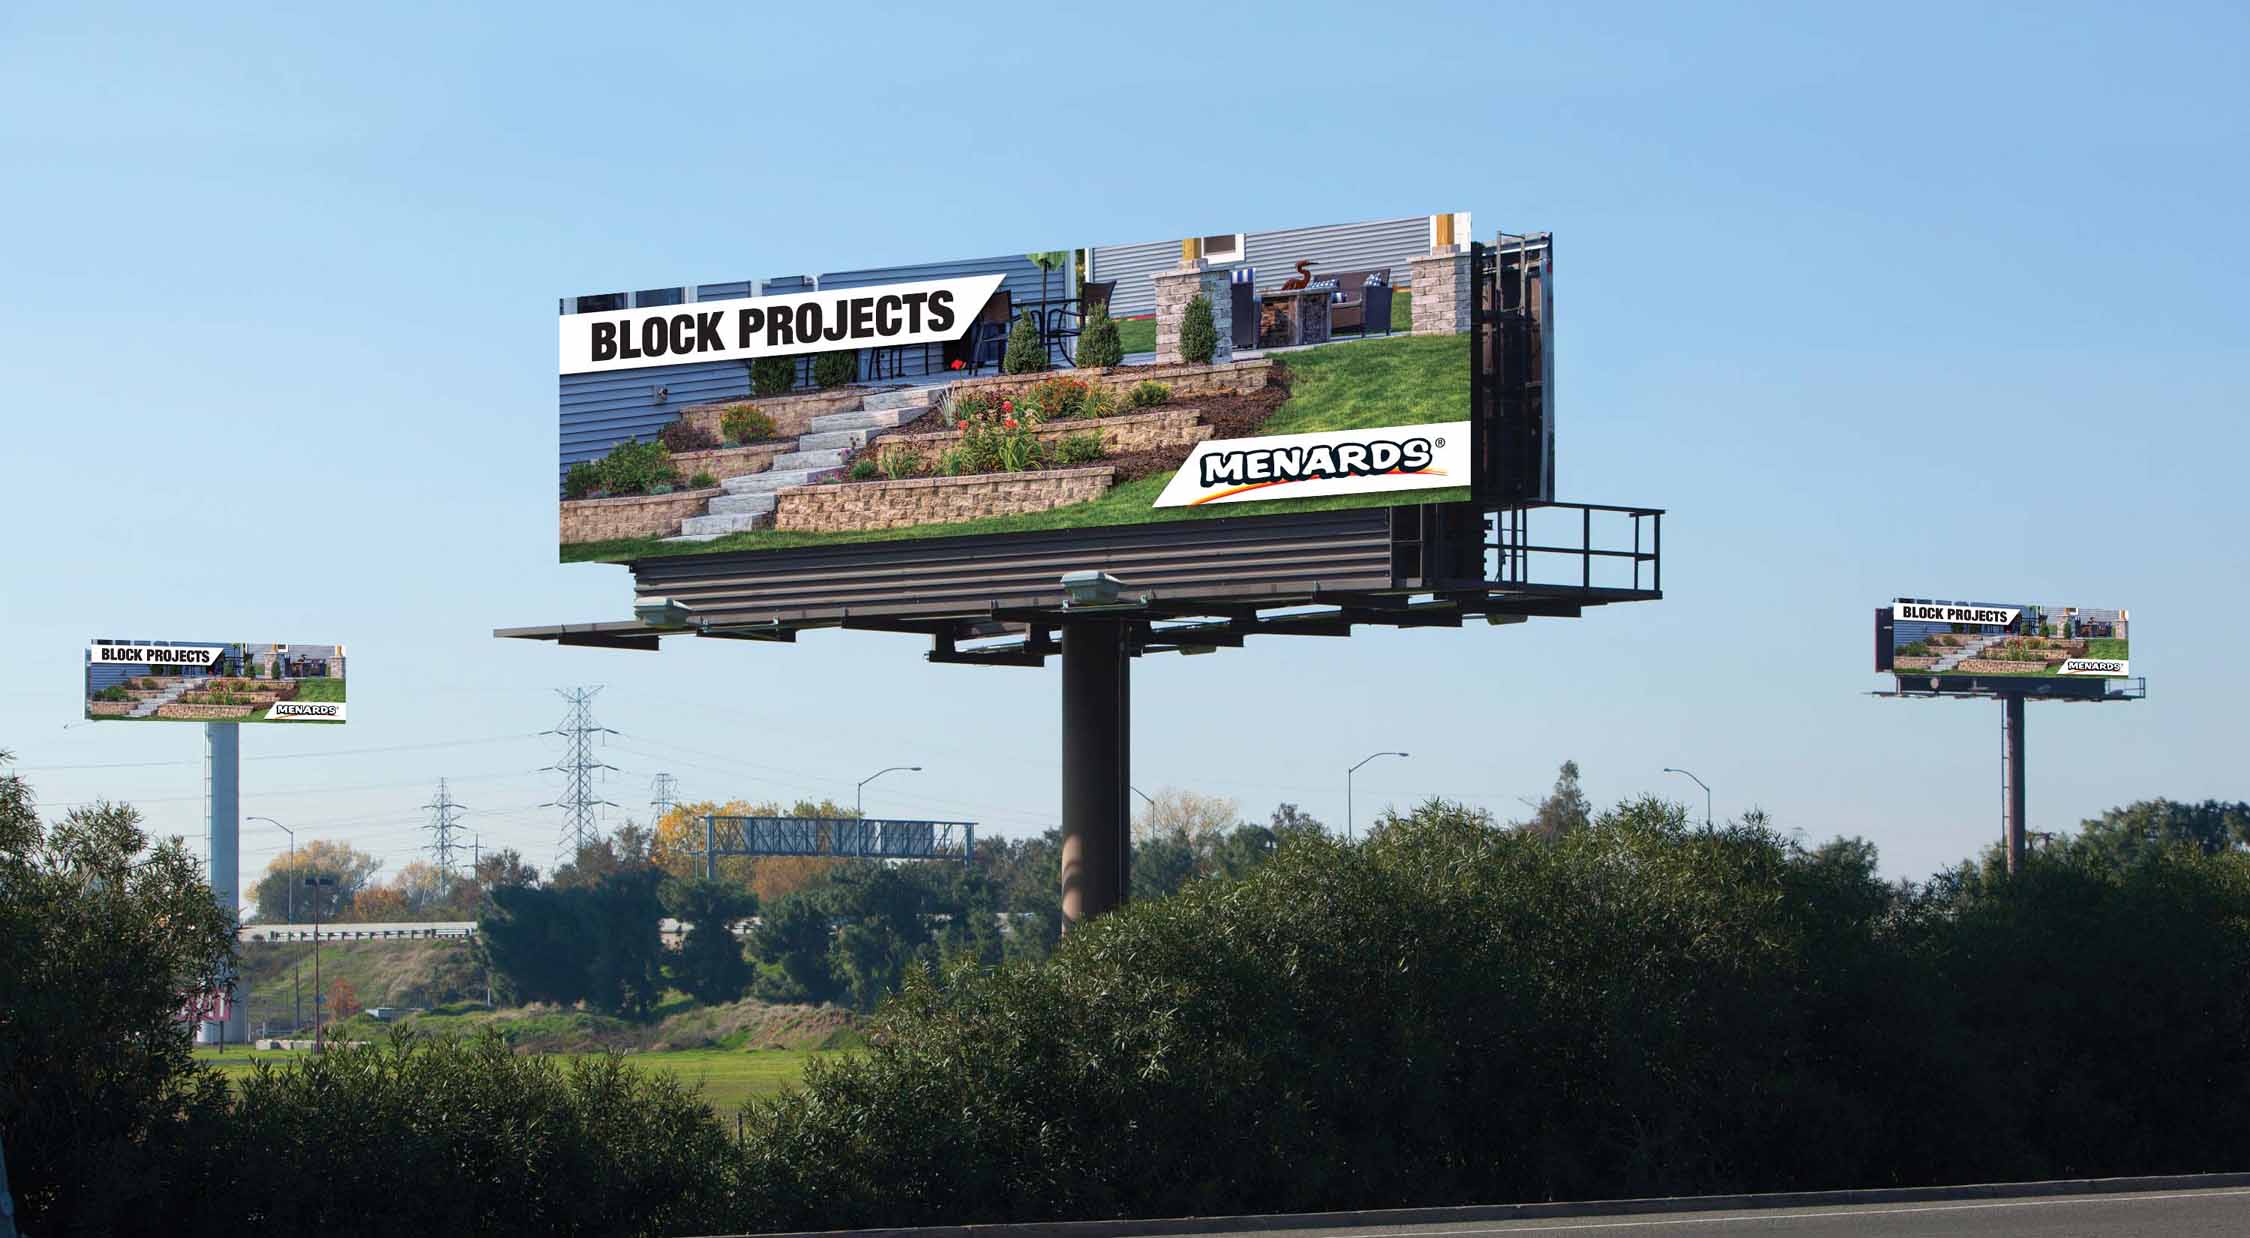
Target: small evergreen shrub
743 423
1098 345
1079 448
861 468
1199 333
583 479
773 375
635 467
834 369
702 480
1027 353
1150 394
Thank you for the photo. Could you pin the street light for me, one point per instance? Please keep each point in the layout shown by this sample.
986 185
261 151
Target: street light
296 992
1348 786
916 769
1706 793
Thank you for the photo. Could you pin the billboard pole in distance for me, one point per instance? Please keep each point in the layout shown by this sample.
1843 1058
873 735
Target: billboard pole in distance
222 817
1097 768
2011 778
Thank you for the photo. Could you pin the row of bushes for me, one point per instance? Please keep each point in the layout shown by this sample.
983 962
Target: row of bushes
772 376
631 468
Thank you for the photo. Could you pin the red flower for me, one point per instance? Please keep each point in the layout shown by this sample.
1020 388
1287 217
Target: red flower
958 363
1007 406
1011 423
962 424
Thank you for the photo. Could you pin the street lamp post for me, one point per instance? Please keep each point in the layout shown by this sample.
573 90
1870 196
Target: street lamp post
320 999
1348 823
296 992
915 769
1706 793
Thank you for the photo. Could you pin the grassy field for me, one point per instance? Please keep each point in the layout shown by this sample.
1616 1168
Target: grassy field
327 691
727 1077
1401 381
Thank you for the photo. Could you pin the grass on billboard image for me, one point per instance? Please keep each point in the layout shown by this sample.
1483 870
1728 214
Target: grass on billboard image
1246 373
214 681
2026 640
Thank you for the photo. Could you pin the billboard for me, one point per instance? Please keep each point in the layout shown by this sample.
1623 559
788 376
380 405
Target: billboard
213 681
1933 637
1086 386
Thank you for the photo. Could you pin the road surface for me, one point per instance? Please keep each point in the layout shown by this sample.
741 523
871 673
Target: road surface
2153 1214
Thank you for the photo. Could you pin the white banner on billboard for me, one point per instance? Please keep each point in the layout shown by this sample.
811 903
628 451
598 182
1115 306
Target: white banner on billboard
879 316
306 711
1302 466
107 653
1946 612
2095 666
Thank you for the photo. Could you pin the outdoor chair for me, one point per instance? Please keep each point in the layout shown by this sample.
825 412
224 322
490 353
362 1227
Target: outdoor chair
1242 285
1066 322
988 341
1375 308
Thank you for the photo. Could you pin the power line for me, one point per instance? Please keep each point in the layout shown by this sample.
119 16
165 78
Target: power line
578 801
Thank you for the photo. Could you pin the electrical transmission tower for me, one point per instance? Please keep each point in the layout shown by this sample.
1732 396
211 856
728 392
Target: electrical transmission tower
578 800
444 813
664 793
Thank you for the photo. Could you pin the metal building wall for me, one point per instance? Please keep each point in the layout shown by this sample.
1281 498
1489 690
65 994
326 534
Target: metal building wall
1390 243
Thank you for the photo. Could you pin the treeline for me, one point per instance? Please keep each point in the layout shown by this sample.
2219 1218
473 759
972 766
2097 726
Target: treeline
842 931
1450 1010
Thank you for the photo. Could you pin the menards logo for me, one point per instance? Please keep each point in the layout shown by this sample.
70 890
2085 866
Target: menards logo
1362 461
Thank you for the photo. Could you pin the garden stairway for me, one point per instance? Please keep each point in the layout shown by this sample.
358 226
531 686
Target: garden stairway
1963 653
172 692
749 499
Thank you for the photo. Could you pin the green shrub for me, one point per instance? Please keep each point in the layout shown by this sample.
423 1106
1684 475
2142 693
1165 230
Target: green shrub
635 467
1100 402
896 461
702 480
1079 448
1051 399
861 467
685 435
1199 334
835 368
1027 353
957 462
770 376
1150 394
583 479
1098 345
743 423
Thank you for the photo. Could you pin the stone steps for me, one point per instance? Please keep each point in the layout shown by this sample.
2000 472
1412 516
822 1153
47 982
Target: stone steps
867 419
898 397
829 458
733 522
749 503
829 440
770 481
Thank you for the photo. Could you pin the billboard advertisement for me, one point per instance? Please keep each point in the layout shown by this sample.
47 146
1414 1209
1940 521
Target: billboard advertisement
1085 386
214 681
1939 638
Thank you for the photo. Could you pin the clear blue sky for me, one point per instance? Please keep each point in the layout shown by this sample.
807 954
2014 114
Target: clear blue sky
1938 301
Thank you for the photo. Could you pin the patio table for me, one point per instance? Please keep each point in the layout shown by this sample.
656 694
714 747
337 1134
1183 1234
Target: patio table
1295 316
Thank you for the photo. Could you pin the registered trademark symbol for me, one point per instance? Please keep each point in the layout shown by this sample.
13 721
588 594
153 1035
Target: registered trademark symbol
1441 442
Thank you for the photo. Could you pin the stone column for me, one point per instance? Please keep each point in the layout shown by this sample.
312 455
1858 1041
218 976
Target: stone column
1174 289
1441 293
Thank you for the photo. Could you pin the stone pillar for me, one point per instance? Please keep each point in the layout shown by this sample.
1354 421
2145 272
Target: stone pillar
1441 293
1174 289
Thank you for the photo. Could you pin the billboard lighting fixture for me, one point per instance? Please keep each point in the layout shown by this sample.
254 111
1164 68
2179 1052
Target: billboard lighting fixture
1191 649
1091 588
661 612
1496 619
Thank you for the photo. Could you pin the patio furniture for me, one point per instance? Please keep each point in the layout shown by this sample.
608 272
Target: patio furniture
1066 321
987 341
1242 288
1346 308
1375 309
1295 317
999 309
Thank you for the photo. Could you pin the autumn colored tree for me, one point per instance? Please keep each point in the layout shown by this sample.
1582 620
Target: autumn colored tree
343 1000
281 892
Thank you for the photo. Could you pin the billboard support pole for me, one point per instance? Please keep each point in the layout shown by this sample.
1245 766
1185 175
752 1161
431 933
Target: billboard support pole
222 817
2011 778
1096 688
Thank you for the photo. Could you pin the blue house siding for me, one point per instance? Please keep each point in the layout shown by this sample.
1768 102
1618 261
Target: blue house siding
1020 280
601 410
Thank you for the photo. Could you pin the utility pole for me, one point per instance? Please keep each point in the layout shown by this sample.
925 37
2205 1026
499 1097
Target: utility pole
578 800
443 810
320 999
664 793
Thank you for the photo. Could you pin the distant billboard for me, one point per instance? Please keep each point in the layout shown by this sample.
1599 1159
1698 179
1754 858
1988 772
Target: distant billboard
1089 386
213 681
1930 637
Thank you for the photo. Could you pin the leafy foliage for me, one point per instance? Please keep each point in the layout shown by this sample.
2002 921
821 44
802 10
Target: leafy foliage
1199 332
1098 345
743 423
685 435
1027 352
835 368
772 376
1149 394
595 942
583 479
709 965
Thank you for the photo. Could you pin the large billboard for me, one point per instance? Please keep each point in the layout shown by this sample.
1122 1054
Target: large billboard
214 681
1227 374
1932 637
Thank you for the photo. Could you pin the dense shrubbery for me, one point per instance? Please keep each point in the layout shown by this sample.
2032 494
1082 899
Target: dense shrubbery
834 369
771 376
631 468
1027 350
1098 344
744 423
1199 331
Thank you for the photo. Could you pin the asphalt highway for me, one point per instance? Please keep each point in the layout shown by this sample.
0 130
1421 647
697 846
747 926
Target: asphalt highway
2149 1214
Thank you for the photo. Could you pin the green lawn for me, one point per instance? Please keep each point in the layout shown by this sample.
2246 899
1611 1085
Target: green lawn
2106 647
727 1077
328 691
1405 380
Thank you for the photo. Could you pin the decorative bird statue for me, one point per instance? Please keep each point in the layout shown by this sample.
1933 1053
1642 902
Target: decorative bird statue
1302 279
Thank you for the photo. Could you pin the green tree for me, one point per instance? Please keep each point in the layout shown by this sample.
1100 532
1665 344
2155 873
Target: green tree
103 941
1098 342
2122 835
1027 351
281 892
794 936
709 965
1199 332
1565 809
